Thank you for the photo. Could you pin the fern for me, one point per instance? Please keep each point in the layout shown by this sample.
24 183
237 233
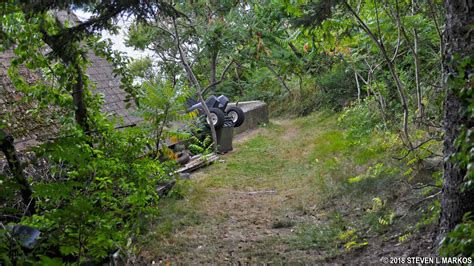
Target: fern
162 104
404 237
198 146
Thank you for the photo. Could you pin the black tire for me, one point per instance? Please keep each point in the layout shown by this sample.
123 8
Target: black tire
218 117
237 115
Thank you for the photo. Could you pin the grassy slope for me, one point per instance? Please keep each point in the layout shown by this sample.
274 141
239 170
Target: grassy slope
296 190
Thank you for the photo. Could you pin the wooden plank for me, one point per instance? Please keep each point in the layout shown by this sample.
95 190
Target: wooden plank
164 188
197 162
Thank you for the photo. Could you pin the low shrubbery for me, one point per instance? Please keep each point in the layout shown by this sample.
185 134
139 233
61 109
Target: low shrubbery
332 90
94 199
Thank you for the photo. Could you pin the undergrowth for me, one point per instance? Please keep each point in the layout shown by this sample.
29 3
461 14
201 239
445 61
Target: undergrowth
357 177
333 182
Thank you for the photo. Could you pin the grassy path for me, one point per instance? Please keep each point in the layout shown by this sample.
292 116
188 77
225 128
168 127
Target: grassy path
270 200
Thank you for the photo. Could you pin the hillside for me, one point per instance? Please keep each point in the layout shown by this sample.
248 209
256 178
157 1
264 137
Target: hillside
368 153
296 190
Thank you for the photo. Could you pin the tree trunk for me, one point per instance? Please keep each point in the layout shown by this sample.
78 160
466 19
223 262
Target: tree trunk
213 70
432 12
358 85
8 148
417 70
416 59
459 45
76 81
78 96
419 96
192 78
160 131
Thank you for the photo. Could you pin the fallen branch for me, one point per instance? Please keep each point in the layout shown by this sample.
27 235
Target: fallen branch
197 162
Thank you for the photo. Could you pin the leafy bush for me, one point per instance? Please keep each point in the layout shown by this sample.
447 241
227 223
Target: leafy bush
200 143
379 216
351 239
361 118
337 87
162 104
94 199
332 90
460 241
309 100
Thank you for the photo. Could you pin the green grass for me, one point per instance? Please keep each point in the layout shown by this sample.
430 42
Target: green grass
257 164
315 169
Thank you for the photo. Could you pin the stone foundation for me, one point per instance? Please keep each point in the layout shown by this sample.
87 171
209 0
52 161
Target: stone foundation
256 113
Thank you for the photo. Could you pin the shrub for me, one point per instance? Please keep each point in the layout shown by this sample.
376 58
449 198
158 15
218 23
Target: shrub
337 87
331 90
361 118
94 200
460 241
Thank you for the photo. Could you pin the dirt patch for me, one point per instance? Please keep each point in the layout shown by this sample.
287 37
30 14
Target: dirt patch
248 224
245 136
291 132
254 204
240 229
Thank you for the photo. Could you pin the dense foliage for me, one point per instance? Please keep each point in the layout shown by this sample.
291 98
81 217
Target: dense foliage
379 62
95 187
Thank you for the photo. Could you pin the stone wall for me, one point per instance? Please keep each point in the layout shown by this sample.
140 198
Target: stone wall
256 113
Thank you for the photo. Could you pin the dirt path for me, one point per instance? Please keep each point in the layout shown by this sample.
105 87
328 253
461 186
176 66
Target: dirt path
291 131
249 207
283 196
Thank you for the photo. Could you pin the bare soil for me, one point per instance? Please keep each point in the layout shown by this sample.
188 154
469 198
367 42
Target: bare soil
254 220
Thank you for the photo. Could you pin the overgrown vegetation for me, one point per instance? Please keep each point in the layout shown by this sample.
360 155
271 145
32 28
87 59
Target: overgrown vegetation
378 79
323 189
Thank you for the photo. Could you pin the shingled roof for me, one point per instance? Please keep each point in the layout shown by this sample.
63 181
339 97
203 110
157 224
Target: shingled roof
101 73
30 129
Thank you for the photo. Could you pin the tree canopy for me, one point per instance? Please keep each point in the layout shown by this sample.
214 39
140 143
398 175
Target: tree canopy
394 66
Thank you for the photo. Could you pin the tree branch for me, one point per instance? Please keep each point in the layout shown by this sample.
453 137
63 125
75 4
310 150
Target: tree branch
8 148
195 82
227 67
278 77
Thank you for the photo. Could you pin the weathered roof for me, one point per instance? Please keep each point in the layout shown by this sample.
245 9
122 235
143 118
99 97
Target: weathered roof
101 73
27 128
30 129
